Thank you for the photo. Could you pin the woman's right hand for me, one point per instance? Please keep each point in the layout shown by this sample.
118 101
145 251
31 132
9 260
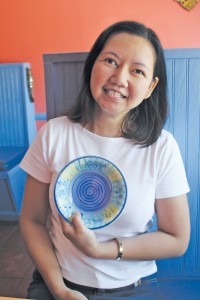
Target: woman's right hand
71 295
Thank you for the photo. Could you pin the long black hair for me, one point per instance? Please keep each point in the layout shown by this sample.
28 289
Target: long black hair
142 124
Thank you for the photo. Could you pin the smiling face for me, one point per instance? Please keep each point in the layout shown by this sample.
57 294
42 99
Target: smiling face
122 75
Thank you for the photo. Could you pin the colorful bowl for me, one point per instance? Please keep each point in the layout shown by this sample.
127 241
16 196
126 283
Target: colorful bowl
93 186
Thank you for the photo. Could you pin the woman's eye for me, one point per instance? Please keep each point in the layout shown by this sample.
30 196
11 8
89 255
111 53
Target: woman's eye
137 71
111 61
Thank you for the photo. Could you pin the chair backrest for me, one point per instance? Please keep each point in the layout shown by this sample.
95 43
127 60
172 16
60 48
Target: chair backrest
17 116
62 81
62 88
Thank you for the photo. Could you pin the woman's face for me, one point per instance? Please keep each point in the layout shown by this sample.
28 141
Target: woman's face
122 75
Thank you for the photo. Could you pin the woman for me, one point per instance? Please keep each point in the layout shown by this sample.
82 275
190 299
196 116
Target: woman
118 117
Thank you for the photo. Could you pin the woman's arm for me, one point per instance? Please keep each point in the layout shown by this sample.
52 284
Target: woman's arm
33 227
170 240
172 237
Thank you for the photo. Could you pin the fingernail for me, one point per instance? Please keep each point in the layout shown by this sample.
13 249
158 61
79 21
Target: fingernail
75 213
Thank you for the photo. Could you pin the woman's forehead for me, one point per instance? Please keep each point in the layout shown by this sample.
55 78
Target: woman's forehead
131 46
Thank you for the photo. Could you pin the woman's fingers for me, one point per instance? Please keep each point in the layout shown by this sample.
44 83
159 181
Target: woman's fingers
75 228
83 238
78 224
67 228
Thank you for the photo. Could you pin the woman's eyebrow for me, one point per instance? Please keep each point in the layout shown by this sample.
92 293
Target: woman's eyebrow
141 64
111 53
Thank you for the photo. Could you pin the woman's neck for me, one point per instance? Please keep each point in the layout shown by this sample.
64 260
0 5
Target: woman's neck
104 126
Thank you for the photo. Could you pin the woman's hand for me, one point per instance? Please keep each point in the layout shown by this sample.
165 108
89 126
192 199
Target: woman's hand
83 238
70 295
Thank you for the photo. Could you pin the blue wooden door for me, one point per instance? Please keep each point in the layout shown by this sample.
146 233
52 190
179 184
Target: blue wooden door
183 70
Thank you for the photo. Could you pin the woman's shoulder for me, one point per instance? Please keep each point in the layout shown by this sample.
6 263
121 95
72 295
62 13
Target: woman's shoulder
165 136
55 127
166 142
57 123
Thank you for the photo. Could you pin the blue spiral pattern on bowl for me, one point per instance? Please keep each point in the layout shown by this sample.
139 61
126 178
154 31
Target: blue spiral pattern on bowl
91 190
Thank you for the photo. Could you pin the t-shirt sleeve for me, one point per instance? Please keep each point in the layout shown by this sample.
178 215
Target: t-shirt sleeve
35 161
171 179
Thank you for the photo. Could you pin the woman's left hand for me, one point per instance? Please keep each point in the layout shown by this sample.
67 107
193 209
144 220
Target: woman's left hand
83 238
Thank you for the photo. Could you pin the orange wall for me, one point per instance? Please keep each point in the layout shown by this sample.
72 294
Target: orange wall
30 28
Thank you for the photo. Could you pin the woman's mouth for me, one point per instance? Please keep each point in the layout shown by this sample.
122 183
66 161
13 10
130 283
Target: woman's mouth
114 94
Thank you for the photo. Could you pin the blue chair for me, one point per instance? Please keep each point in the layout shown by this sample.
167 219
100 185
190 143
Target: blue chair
17 130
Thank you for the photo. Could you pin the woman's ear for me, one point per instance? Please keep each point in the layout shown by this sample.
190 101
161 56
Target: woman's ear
152 87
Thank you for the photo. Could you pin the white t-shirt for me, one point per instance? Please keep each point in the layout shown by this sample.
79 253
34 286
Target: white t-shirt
153 172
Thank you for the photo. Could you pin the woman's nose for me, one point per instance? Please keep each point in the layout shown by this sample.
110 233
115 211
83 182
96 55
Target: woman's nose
120 77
